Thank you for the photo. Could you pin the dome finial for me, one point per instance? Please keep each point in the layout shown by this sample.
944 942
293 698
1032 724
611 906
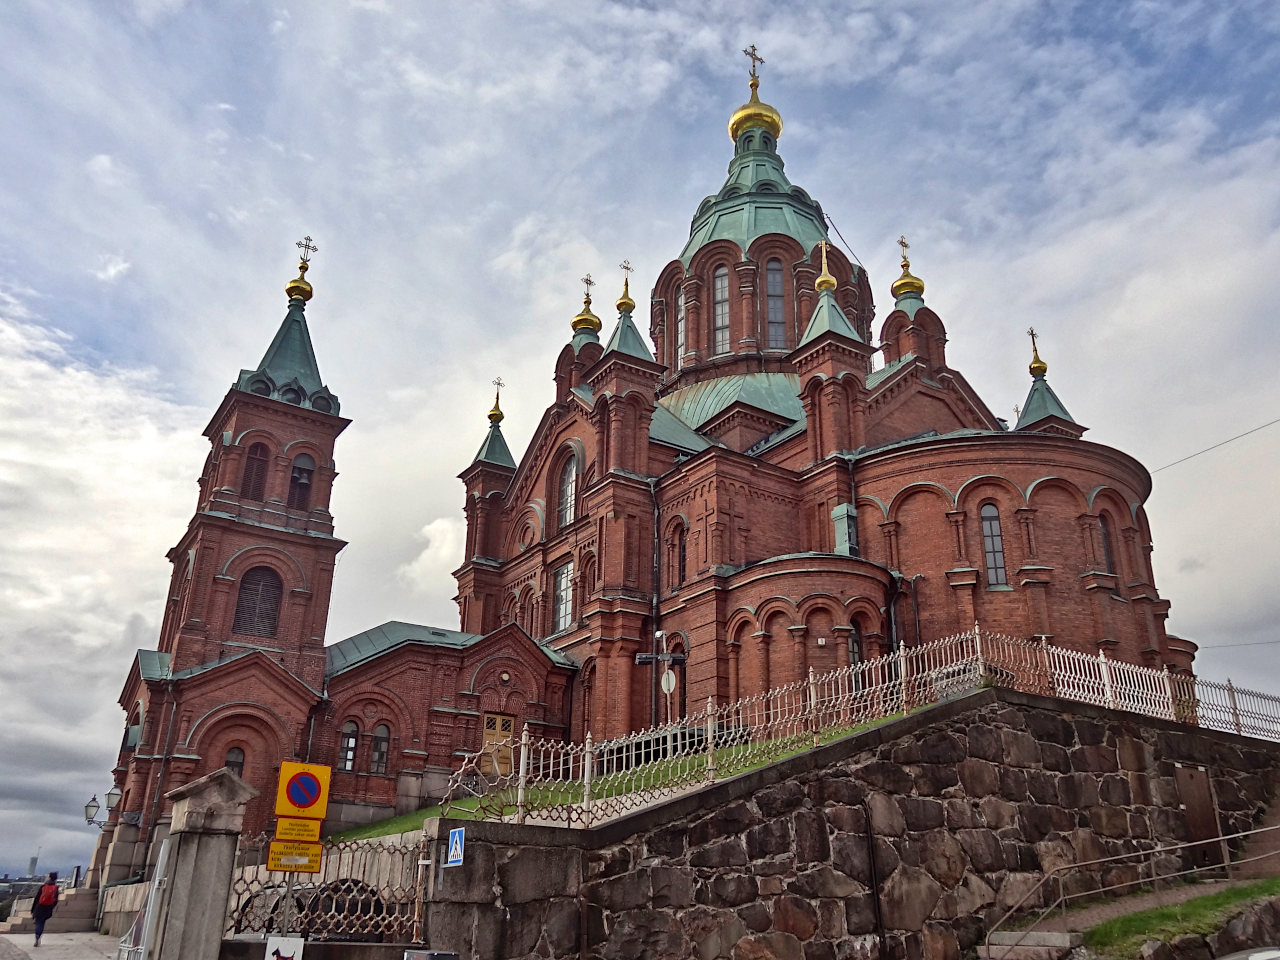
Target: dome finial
586 320
825 280
754 113
907 283
625 303
496 415
298 288
1038 368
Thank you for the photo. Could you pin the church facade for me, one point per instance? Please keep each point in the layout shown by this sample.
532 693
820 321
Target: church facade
755 491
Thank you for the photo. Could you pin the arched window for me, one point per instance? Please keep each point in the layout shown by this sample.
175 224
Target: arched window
300 482
777 316
567 494
254 484
682 554
562 615
347 745
258 603
1108 557
681 338
381 747
235 761
993 546
720 314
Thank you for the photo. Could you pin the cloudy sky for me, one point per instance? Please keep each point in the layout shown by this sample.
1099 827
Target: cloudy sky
1108 172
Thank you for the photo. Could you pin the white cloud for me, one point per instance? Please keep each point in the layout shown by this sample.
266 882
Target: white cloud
111 267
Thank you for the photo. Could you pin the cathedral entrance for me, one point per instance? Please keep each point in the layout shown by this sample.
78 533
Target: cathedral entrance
496 750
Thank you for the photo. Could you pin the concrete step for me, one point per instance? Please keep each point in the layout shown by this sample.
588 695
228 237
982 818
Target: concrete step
55 924
1030 945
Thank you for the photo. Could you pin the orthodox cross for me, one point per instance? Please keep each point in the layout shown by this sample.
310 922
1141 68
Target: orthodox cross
588 283
1017 412
1031 332
497 386
902 242
823 244
626 268
307 248
756 59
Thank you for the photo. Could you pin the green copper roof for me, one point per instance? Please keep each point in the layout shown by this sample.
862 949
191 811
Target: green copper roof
828 318
909 303
666 428
353 651
1041 403
772 392
288 371
756 199
626 339
494 449
153 665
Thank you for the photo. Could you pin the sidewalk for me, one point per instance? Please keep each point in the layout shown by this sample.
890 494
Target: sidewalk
58 946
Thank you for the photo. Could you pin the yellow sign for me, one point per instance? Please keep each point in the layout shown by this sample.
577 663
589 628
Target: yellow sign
292 828
287 856
303 790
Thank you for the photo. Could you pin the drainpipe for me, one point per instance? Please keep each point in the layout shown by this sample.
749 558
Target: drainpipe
875 876
655 614
915 604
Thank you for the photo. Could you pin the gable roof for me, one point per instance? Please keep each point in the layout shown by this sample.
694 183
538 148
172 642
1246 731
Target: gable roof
376 641
776 393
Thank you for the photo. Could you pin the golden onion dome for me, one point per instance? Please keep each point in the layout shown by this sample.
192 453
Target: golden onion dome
586 320
496 415
907 283
1037 368
298 286
625 303
755 113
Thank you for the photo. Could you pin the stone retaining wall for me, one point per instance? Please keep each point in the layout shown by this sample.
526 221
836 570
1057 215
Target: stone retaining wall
1258 925
953 814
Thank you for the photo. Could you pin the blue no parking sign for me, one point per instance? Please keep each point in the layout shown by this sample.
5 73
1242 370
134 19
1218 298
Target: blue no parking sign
457 839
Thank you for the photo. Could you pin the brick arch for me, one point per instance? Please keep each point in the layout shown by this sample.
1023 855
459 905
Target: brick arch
493 664
285 564
1107 493
815 601
393 711
740 624
1057 483
259 434
774 606
253 715
532 517
919 487
876 501
702 263
966 497
306 445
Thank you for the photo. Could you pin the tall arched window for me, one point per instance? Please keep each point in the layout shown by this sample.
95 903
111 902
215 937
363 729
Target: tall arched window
720 305
682 554
1108 557
235 761
993 546
347 745
777 316
562 614
681 338
258 603
567 493
381 748
254 484
300 482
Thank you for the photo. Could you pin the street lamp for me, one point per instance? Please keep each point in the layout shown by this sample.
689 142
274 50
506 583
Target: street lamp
92 807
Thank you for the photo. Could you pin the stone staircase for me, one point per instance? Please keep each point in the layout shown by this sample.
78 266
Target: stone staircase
1034 945
1266 845
76 912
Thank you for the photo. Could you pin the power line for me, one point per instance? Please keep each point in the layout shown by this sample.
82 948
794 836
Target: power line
1216 445
1223 646
844 241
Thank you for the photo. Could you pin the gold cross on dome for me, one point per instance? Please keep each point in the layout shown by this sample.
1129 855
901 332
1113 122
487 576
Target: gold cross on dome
756 59
902 242
588 283
823 244
626 268
307 248
497 383
1031 332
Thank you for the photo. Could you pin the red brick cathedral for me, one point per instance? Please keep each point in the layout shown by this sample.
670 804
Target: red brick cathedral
763 488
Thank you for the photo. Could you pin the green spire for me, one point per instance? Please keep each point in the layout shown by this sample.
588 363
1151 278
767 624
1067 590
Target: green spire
494 450
288 371
626 338
827 315
1042 403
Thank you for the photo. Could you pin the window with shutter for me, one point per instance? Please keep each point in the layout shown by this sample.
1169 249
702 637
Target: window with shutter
254 484
258 603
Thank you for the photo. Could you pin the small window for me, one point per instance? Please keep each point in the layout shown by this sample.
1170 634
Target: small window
720 302
347 745
680 326
254 484
300 482
993 546
777 315
1108 557
235 761
563 612
381 747
681 555
291 395
258 603
568 493
322 403
261 388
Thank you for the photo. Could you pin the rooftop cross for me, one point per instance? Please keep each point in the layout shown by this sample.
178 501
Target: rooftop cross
626 268
307 248
1017 413
1031 332
756 59
497 383
902 242
588 283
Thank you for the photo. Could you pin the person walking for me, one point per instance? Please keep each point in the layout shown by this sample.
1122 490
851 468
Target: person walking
46 900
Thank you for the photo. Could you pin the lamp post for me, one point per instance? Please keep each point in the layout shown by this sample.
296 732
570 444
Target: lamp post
92 807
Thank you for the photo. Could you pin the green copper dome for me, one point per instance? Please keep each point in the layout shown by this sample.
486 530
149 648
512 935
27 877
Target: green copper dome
756 199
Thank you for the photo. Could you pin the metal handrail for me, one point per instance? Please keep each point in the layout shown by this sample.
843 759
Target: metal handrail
1056 873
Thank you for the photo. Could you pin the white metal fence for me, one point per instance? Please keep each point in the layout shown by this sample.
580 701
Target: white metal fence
533 780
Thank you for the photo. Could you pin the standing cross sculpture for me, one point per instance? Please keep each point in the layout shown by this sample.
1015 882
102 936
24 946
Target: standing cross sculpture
307 248
756 59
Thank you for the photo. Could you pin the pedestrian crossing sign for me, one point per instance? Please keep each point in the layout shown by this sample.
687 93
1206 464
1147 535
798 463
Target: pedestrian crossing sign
457 837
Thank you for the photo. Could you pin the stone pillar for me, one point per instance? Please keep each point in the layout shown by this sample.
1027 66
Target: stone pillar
207 818
799 653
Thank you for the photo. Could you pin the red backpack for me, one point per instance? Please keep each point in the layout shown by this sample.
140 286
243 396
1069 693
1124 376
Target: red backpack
48 895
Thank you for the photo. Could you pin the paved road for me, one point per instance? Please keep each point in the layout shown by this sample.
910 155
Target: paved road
58 946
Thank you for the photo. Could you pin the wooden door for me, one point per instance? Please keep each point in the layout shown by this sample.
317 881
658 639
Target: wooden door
496 749
1202 820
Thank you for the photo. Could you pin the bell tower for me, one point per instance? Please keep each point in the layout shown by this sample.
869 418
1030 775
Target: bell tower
255 567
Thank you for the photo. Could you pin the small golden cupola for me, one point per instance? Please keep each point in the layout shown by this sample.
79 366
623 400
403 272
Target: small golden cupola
298 288
755 113
586 320
908 284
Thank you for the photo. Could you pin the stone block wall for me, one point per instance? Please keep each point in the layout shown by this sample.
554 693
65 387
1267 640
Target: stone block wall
902 842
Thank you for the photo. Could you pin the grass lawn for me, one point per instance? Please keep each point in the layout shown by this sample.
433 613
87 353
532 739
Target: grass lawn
1122 938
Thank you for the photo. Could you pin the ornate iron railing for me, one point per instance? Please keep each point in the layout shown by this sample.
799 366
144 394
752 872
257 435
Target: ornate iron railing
531 780
366 890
